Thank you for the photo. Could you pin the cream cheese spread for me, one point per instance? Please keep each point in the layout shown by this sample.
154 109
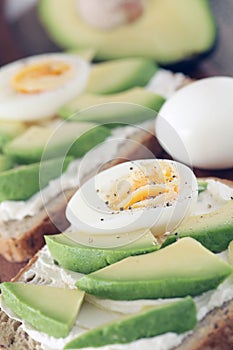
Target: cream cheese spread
96 311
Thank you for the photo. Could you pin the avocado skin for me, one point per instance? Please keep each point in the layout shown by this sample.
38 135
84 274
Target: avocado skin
79 258
214 230
178 317
22 182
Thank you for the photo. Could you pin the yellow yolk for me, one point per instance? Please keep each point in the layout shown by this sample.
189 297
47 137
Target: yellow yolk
40 77
147 187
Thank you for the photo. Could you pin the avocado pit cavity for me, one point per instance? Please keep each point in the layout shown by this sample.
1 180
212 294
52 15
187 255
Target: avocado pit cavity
109 14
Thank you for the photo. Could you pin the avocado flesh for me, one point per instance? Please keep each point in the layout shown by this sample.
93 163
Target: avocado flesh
40 142
48 309
5 163
213 230
181 269
153 321
119 75
85 259
22 182
167 32
9 130
132 106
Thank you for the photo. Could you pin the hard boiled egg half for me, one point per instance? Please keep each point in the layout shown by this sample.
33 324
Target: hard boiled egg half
35 87
195 125
130 198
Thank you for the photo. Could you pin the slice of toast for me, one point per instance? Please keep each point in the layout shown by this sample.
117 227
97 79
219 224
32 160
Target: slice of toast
21 239
214 331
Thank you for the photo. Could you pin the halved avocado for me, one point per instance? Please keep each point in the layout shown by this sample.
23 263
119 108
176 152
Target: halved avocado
168 31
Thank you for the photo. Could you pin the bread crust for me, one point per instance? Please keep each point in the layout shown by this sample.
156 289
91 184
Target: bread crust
214 332
29 232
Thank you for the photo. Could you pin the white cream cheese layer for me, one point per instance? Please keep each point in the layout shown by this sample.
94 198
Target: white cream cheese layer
164 83
96 311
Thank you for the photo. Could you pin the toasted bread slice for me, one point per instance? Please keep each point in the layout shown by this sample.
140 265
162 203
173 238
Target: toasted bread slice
214 331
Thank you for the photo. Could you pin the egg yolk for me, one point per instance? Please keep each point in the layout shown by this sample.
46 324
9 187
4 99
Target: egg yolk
41 77
149 186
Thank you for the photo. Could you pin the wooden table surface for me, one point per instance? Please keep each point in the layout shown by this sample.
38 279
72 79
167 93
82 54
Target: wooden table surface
17 41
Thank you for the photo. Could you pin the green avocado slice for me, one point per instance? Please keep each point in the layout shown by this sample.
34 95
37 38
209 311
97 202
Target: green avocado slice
22 182
9 130
181 269
5 163
213 230
168 31
119 75
178 317
85 259
48 309
40 142
131 106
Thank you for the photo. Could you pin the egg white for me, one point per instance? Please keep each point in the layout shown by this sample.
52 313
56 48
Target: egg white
195 125
15 105
88 212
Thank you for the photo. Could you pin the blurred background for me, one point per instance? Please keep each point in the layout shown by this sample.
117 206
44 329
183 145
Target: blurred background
21 34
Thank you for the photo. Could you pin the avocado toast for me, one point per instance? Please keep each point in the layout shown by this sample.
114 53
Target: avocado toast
21 229
214 308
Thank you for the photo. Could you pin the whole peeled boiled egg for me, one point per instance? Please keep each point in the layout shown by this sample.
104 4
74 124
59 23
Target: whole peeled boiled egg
195 125
34 88
131 197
